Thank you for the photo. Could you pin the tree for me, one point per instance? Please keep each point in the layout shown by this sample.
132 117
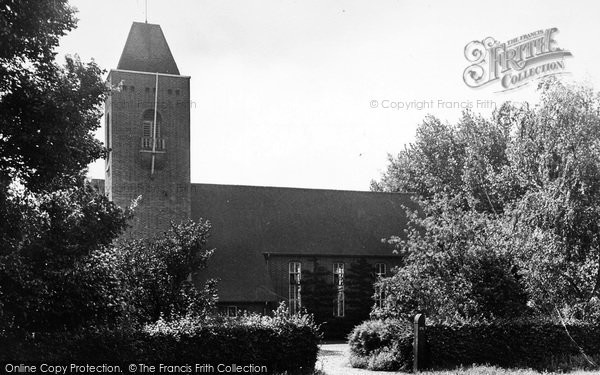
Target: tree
48 112
555 160
510 210
53 274
458 265
158 273
53 226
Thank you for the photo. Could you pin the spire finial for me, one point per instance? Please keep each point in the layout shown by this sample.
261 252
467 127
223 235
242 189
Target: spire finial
146 11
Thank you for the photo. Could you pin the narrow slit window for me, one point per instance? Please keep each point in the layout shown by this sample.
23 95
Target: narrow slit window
338 282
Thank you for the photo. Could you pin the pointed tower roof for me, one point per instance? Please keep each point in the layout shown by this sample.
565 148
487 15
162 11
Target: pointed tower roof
146 50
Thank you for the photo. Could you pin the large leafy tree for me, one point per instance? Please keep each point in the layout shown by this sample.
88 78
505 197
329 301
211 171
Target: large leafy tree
48 112
52 225
555 160
510 209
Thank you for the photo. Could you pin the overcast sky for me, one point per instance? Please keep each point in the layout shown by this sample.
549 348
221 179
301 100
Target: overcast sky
281 90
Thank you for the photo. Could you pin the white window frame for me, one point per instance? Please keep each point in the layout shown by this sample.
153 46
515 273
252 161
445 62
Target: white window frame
381 270
295 289
339 306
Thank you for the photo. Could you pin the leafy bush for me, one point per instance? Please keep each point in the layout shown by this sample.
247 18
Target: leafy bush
282 343
381 345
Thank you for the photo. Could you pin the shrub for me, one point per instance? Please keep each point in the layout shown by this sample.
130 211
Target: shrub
381 345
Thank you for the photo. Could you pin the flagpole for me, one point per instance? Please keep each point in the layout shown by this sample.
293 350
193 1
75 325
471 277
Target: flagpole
154 124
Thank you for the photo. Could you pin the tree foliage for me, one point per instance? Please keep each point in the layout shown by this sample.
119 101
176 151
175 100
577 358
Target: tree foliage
510 209
158 273
52 271
48 112
53 226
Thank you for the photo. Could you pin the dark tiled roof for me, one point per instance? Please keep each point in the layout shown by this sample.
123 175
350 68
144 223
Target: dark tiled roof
248 221
146 50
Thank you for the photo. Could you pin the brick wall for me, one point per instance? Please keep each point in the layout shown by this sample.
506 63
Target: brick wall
279 271
165 194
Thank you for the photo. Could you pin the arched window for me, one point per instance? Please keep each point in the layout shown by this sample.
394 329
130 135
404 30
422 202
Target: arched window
147 120
148 134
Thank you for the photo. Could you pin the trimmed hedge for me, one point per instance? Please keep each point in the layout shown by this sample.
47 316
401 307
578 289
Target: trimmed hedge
526 344
509 344
282 345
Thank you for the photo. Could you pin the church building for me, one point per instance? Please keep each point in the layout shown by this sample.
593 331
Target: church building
266 238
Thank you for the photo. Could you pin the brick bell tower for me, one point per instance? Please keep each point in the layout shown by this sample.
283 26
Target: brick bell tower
148 132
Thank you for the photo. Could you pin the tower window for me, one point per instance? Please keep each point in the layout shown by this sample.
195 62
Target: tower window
147 90
151 137
177 92
338 282
131 88
170 92
124 88
147 120
295 300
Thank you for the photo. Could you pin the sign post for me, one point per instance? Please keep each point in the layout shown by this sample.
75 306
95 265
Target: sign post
419 343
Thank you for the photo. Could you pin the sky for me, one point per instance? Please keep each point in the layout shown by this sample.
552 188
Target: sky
316 94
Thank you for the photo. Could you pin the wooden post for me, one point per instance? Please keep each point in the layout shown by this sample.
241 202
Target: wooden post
419 343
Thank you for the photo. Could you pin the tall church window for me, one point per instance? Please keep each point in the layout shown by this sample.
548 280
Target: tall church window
380 269
295 299
338 282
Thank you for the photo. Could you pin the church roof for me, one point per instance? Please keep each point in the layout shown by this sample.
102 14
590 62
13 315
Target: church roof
146 50
249 222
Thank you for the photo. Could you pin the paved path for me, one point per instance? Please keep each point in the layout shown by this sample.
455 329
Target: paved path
333 360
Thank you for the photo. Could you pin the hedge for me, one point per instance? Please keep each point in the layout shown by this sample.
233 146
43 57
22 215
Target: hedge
526 344
282 346
510 344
